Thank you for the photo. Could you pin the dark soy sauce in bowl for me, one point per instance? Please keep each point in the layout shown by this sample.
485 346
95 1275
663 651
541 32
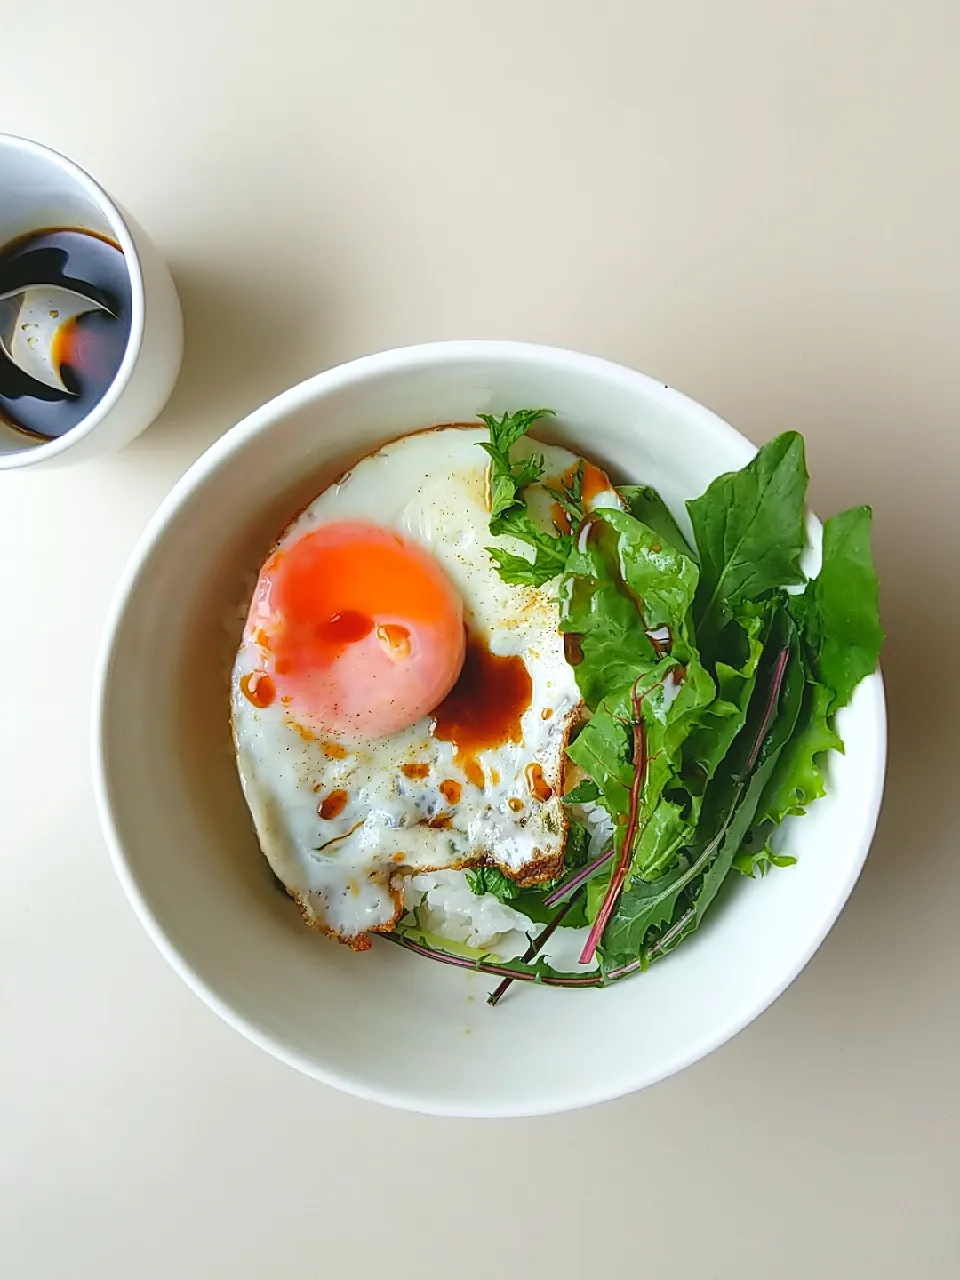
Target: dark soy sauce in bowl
89 349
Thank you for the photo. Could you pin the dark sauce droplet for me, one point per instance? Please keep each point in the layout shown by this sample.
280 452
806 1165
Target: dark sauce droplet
537 784
573 648
450 789
415 770
345 628
258 688
333 804
484 708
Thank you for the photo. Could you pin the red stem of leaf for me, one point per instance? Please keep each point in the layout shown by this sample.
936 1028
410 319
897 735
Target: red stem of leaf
570 886
619 876
499 970
770 708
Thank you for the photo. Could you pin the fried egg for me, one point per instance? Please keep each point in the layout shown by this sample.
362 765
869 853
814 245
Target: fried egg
396 707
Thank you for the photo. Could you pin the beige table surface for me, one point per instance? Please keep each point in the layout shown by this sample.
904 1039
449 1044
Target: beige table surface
757 202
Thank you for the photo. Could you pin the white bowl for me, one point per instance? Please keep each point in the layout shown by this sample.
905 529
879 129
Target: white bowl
386 1024
40 188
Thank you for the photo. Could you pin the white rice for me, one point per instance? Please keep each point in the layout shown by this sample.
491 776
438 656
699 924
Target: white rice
448 908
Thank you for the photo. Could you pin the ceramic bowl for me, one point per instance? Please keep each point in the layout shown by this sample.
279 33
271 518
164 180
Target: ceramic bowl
386 1024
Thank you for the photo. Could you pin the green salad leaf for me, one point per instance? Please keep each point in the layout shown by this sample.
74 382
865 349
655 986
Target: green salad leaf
645 905
646 505
721 721
757 862
772 717
625 596
728 809
486 879
585 792
660 579
798 777
749 531
602 750
840 622
711 686
843 617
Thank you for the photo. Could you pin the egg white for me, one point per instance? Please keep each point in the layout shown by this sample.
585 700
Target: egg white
347 872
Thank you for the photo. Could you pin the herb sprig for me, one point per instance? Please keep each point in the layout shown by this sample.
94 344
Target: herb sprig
509 476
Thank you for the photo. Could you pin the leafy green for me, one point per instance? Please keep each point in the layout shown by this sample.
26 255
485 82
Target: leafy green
627 595
622 585
757 862
659 816
492 880
665 829
602 750
608 648
749 531
727 812
840 622
570 496
712 687
508 478
848 635
798 778
773 713
585 792
643 906
722 720
577 848
549 558
649 508
660 579
531 904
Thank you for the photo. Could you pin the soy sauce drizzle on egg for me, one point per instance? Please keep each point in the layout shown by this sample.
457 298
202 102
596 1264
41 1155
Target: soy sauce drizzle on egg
485 707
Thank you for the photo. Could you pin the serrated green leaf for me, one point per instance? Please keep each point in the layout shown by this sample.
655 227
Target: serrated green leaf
844 595
798 778
643 906
757 862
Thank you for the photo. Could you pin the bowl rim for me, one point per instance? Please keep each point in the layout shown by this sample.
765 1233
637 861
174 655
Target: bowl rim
34 454
260 419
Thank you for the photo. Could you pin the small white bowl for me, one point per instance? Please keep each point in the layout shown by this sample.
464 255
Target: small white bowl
386 1024
40 188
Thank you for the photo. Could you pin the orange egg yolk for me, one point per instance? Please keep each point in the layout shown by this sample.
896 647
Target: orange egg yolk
364 628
